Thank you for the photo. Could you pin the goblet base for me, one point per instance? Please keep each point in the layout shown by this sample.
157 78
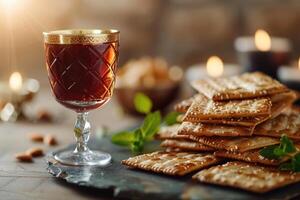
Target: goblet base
88 157
83 106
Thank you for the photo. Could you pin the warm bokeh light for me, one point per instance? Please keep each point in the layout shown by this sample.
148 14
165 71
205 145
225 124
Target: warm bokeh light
8 4
15 81
175 73
7 112
214 66
262 40
299 63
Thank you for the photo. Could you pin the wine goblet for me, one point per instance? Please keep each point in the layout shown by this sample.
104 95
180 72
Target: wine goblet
81 67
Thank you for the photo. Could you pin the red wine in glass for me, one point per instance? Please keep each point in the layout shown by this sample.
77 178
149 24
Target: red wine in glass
82 76
81 67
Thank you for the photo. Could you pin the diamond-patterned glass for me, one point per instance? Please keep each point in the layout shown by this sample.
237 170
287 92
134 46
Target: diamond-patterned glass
79 72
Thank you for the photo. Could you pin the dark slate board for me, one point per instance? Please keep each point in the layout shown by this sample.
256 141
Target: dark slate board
127 183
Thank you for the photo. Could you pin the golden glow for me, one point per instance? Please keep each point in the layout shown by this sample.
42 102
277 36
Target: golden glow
214 66
15 81
262 40
299 63
8 4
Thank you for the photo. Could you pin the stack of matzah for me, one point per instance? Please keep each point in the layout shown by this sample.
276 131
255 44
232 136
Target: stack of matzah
229 119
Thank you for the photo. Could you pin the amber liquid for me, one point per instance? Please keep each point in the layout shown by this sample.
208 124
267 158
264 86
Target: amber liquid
82 76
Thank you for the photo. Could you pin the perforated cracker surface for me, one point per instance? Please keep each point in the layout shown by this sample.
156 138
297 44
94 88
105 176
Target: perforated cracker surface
204 108
201 129
186 145
171 163
239 144
247 85
246 176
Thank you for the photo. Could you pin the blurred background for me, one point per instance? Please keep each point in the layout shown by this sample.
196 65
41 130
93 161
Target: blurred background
182 31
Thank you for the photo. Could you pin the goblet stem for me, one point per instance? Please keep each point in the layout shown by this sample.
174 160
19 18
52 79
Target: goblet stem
82 131
82 155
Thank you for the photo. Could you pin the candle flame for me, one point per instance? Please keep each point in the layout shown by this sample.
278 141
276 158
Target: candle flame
15 81
214 66
262 40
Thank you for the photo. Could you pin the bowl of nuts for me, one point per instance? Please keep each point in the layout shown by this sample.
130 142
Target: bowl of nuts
150 76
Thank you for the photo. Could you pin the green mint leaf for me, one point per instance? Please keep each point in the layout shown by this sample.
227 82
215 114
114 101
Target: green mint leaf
296 162
297 158
137 147
151 125
279 152
287 144
268 152
293 165
287 149
138 136
171 118
138 144
142 103
124 138
286 166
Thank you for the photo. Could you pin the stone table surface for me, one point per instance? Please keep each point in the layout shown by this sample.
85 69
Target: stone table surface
30 181
26 181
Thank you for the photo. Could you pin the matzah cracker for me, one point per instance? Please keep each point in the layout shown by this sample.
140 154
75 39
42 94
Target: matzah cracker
184 105
276 109
240 144
280 103
169 149
247 85
292 109
242 121
171 163
280 107
204 108
291 95
186 145
252 156
169 132
247 176
201 129
288 124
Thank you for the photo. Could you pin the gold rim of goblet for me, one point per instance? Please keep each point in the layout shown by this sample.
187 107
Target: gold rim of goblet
81 36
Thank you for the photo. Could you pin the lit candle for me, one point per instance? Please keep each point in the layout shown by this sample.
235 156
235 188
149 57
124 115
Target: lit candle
262 40
14 94
15 81
214 67
263 53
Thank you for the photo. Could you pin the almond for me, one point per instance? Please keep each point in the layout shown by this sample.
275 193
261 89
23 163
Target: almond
50 140
23 157
44 116
36 137
35 152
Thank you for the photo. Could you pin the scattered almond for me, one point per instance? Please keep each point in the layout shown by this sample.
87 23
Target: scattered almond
36 137
44 116
50 140
35 152
23 157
